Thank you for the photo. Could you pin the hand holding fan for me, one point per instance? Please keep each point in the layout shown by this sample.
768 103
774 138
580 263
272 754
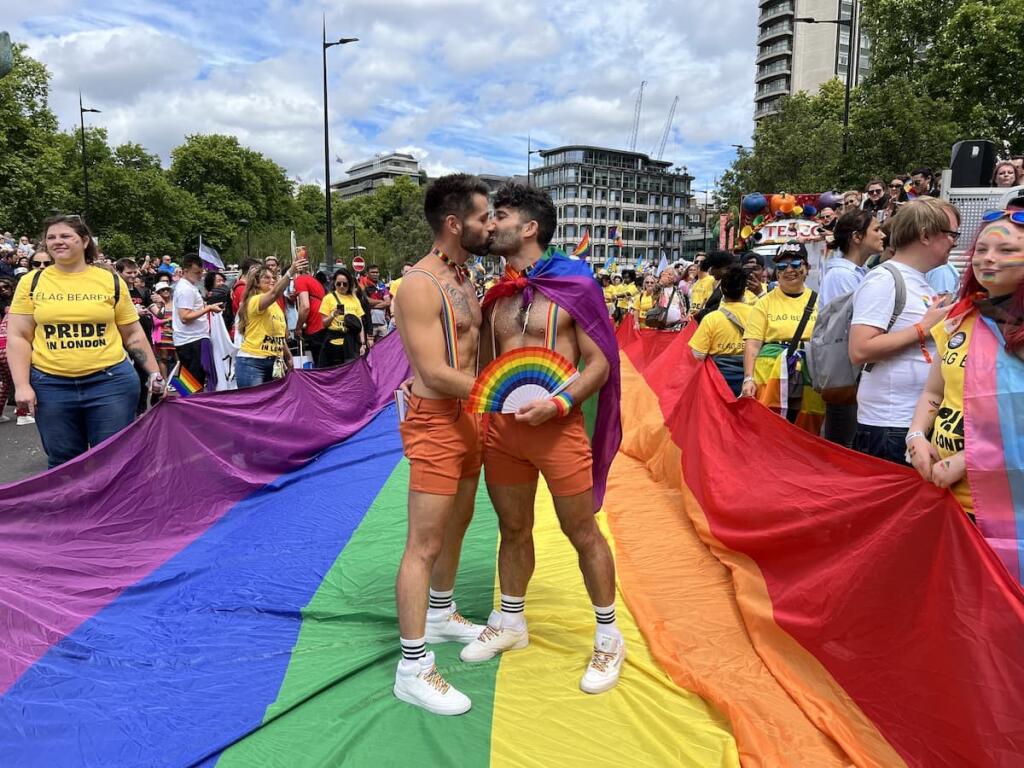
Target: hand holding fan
519 377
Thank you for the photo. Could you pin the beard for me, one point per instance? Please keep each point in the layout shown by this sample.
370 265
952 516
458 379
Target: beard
506 243
477 243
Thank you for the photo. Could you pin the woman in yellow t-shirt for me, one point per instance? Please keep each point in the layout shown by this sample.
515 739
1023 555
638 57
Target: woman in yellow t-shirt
720 334
644 301
980 363
72 328
344 320
776 380
262 325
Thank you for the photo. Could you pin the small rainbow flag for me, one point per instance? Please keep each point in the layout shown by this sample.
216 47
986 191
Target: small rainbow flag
183 382
583 248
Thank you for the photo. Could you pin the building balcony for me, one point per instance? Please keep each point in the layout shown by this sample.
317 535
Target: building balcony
776 12
769 71
769 52
766 109
776 31
774 88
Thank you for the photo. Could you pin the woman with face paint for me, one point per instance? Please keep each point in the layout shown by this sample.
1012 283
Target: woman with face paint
967 431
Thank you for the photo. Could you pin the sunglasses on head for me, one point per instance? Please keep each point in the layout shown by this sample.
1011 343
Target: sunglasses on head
1017 217
782 266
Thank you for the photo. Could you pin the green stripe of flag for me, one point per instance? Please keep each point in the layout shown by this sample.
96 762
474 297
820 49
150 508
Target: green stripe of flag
335 706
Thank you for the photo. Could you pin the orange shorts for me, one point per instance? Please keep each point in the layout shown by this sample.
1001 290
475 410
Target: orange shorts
443 443
515 453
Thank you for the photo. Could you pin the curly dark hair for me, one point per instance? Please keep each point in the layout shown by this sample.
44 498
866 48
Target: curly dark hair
734 284
532 204
451 195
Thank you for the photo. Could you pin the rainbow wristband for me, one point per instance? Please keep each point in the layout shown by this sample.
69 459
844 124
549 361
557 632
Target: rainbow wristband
563 402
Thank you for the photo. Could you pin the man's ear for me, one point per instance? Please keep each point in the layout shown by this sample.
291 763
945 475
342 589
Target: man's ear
531 228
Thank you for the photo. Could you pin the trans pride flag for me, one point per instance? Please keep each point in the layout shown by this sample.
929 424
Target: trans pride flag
236 608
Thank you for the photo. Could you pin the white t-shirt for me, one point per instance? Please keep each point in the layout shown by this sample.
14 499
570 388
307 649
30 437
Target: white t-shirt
888 393
186 296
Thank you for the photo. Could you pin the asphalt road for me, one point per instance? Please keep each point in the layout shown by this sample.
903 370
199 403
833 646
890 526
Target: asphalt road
21 453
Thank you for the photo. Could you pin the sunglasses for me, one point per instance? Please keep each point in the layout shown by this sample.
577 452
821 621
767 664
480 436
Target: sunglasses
874 191
40 264
1017 217
341 284
895 186
782 266
952 233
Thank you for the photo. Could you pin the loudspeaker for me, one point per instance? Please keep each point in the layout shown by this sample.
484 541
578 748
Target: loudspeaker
973 163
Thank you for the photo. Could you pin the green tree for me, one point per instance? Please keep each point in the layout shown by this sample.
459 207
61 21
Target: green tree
32 181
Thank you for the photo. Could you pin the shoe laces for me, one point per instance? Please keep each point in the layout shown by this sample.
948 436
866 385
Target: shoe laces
601 660
488 633
433 678
458 618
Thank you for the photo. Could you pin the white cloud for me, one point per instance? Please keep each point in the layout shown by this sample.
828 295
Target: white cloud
460 82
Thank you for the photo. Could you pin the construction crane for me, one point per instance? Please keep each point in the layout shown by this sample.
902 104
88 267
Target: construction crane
668 128
636 117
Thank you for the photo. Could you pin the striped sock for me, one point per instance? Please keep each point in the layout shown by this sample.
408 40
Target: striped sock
440 602
512 612
413 650
606 619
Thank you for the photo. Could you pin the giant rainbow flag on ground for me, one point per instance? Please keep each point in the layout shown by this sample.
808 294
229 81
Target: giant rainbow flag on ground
214 586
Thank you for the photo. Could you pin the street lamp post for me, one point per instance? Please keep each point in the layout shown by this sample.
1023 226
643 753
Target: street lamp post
529 151
85 165
245 223
327 141
852 55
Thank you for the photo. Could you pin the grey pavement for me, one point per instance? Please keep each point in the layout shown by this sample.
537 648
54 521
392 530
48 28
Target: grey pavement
21 453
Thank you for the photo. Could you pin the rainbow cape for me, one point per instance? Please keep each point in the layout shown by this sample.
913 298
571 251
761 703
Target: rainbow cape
994 439
237 607
570 284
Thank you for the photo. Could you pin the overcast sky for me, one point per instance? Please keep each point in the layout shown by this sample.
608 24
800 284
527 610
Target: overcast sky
458 83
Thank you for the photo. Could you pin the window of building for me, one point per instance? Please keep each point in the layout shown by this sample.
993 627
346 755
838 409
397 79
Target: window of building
666 219
628 197
600 232
666 201
586 212
599 252
642 198
614 214
570 212
570 231
629 215
678 203
641 217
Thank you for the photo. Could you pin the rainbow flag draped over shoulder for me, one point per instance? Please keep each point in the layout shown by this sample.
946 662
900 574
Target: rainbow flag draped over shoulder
570 284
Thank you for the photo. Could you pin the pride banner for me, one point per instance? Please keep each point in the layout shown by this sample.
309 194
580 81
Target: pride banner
215 586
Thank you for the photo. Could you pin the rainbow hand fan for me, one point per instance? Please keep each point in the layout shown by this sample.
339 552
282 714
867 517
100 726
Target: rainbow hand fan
519 377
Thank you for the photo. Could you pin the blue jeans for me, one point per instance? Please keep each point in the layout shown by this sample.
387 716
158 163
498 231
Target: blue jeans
74 414
889 443
253 371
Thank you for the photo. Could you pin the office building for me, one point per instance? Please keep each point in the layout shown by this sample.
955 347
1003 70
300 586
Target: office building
596 189
795 56
379 171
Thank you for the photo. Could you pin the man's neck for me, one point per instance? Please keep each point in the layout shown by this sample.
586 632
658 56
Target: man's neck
915 259
526 257
456 253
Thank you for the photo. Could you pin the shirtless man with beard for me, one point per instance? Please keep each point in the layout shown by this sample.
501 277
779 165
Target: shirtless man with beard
548 300
438 317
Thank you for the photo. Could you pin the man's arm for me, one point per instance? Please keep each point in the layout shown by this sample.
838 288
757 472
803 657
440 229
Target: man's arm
302 305
418 316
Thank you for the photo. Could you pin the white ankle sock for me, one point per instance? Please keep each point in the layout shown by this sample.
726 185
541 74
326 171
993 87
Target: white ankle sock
606 620
512 609
439 603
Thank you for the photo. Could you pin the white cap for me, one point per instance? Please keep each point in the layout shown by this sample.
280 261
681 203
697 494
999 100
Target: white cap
162 286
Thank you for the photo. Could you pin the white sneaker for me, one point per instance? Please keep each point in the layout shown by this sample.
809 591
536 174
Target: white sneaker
420 684
4 418
605 664
451 627
495 639
25 421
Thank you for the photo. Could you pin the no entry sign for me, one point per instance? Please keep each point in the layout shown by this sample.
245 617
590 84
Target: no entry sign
358 264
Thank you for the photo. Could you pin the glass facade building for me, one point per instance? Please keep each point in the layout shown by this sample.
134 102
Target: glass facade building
597 189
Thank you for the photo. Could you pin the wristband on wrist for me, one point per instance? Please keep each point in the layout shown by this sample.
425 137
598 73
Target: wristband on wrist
922 339
563 402
914 436
747 378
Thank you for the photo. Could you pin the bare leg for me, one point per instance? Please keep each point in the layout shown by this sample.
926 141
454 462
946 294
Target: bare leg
514 506
576 516
428 520
446 566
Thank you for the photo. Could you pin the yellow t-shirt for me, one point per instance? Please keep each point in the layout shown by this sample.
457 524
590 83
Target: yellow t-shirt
351 305
609 296
701 292
393 288
948 433
717 334
750 298
643 303
265 332
624 295
76 320
774 317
